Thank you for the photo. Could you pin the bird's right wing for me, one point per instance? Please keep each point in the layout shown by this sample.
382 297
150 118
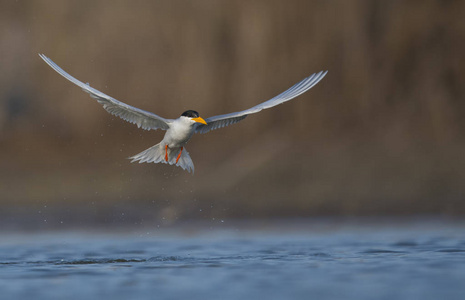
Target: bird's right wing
228 119
141 118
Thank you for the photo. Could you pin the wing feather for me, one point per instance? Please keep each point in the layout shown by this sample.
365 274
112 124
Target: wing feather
297 89
141 118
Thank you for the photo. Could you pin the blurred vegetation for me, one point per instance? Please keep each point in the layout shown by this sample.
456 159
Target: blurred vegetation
382 134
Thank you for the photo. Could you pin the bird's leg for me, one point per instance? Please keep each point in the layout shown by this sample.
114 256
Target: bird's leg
166 152
179 155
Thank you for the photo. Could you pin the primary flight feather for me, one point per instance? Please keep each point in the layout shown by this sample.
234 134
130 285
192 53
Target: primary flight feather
178 131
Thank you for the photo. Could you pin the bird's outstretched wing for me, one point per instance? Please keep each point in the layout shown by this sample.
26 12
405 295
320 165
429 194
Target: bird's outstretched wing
228 119
141 118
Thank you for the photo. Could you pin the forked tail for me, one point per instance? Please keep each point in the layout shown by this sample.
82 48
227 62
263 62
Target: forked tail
156 154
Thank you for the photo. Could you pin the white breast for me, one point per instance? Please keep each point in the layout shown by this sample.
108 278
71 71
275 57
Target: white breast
179 133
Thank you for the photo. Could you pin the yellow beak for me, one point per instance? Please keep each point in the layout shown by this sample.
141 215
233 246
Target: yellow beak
199 120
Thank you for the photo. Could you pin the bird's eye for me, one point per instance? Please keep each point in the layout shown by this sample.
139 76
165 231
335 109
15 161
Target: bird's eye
190 114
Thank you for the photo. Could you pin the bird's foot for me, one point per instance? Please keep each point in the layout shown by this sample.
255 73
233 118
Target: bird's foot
166 152
179 155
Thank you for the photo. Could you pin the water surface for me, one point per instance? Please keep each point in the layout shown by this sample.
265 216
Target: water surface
364 261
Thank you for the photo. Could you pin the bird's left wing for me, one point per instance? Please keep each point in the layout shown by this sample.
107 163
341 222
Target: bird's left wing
228 119
141 118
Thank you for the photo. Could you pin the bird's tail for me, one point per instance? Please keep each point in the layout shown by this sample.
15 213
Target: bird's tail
156 154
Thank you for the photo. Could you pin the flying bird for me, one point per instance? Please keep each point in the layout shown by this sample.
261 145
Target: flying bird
171 150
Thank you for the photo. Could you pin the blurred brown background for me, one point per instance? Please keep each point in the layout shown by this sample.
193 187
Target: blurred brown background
382 134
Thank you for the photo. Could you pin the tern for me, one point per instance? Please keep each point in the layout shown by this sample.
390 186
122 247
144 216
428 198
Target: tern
171 150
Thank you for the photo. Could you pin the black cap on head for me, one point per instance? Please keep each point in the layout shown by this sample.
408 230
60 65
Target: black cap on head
190 114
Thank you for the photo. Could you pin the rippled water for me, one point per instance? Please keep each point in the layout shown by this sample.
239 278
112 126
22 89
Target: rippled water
424 261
